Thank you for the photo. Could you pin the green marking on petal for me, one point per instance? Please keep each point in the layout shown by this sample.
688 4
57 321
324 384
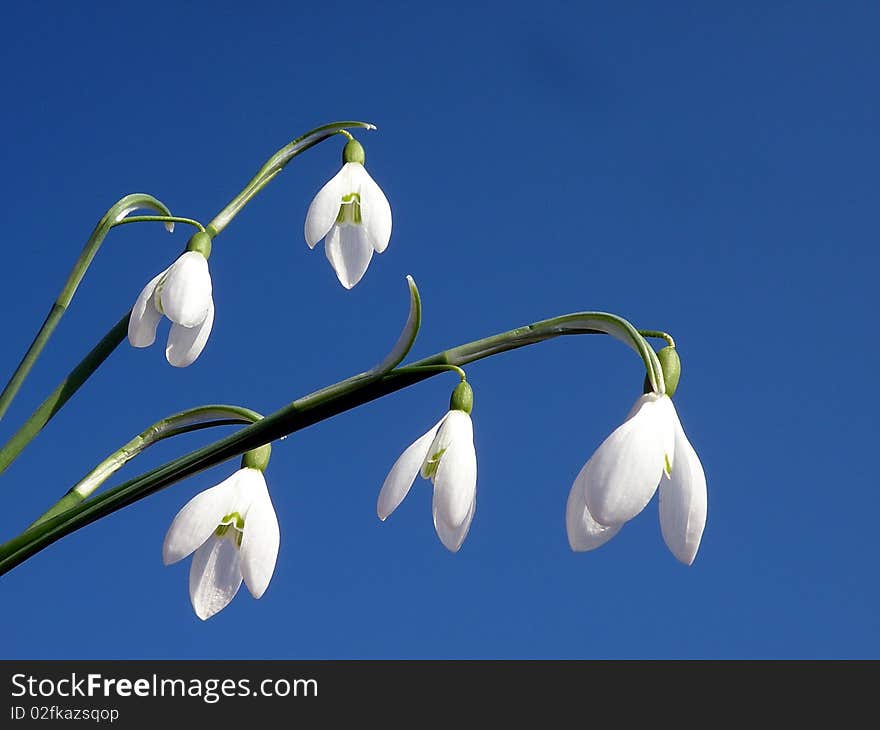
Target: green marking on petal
233 517
233 521
350 210
430 470
157 295
667 467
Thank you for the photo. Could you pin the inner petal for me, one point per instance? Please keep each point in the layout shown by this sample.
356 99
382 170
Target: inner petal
438 447
349 252
350 210
231 528
432 461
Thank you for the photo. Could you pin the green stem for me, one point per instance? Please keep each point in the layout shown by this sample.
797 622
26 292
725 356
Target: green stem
58 397
311 409
433 368
273 166
166 219
115 336
660 335
115 215
193 419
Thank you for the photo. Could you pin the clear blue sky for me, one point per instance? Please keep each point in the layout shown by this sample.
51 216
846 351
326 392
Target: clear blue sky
710 170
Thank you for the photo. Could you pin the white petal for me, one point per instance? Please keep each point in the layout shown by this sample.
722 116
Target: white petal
453 537
683 501
144 316
186 292
669 417
375 211
663 404
455 482
402 475
349 251
324 207
450 425
214 576
623 474
185 344
199 518
584 533
262 536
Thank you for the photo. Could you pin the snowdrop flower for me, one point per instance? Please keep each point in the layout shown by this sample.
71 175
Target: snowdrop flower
352 215
446 456
649 449
183 294
234 532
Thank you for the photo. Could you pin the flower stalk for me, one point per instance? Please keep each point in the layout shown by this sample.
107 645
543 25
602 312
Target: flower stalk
318 406
110 341
65 390
273 166
114 216
193 419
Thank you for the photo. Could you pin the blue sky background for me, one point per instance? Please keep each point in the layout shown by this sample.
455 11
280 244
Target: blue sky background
707 169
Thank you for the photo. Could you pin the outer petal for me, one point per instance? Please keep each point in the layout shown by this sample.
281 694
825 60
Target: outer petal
186 292
663 404
325 206
144 316
349 251
375 210
455 482
185 344
198 519
402 475
584 533
262 536
214 576
622 476
683 501
453 537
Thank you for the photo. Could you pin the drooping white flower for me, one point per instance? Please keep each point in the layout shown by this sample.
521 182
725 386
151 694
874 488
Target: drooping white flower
234 532
648 449
446 456
183 293
352 215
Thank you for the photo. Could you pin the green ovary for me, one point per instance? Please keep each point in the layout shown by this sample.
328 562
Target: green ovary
350 210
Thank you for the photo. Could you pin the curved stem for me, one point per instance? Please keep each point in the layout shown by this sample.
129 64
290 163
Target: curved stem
168 220
192 419
273 166
568 324
660 335
407 335
434 369
115 215
306 411
117 334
